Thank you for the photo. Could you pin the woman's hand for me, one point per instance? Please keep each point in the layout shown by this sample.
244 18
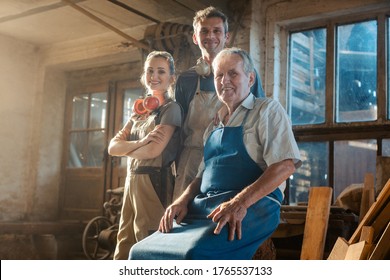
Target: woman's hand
175 211
232 213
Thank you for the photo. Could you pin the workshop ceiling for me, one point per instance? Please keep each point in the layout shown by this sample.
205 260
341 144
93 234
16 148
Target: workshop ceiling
53 22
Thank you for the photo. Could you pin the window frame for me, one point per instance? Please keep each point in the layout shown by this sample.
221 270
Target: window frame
330 131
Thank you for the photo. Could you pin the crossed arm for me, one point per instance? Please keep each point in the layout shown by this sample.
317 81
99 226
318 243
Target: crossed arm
233 211
148 147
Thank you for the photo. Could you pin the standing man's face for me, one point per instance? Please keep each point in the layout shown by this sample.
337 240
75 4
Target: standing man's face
210 36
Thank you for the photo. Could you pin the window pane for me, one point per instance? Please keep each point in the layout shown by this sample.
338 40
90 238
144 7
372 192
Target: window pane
313 172
98 110
80 111
356 72
95 148
306 87
386 147
77 147
86 149
352 160
130 96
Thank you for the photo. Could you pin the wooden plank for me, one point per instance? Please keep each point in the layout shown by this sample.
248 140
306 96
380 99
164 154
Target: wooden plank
357 251
316 224
382 172
367 234
382 249
368 195
381 222
339 250
372 212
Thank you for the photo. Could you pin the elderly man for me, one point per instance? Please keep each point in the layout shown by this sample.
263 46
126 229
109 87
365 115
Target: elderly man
233 204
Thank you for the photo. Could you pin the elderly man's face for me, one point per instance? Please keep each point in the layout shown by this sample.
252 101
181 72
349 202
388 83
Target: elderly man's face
231 82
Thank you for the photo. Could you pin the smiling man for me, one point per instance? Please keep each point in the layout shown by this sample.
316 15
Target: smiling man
195 92
233 204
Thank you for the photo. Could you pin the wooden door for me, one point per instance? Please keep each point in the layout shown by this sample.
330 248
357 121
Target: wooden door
85 137
94 115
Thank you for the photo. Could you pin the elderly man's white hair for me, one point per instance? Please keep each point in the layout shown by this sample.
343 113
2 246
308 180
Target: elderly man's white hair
248 66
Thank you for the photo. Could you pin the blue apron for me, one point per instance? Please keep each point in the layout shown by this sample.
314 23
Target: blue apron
228 170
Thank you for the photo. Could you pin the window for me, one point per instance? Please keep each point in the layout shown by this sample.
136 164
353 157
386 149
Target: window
88 130
337 101
129 98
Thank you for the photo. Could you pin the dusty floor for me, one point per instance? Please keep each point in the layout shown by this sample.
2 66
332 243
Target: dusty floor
40 247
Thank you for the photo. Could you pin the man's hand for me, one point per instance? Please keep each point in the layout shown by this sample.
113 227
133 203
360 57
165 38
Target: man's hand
175 211
232 213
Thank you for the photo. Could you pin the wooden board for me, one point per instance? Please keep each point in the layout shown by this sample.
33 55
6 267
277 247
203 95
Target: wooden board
381 221
359 251
339 250
355 251
367 234
372 213
368 195
316 224
382 249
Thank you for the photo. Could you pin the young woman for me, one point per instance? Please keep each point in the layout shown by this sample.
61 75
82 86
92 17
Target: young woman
150 140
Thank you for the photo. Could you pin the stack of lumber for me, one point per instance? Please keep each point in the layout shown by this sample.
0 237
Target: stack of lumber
370 240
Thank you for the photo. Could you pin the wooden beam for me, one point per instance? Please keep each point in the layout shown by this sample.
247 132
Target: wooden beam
191 5
130 9
35 11
316 224
109 26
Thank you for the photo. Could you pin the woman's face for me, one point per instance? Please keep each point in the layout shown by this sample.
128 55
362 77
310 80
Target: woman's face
157 76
